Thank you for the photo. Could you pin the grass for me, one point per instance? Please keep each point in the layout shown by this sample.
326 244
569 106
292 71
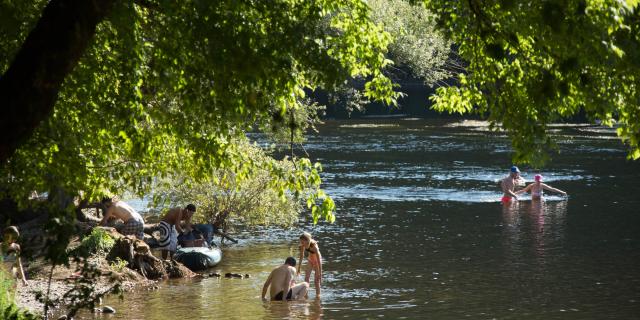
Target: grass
8 308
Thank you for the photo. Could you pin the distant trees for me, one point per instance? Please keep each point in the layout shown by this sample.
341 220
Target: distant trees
418 49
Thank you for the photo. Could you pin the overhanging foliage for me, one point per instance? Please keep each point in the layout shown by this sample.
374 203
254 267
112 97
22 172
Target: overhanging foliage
164 86
535 62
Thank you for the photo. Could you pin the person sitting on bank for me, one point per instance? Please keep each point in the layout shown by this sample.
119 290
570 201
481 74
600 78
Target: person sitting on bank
281 280
509 184
170 226
10 252
133 222
538 187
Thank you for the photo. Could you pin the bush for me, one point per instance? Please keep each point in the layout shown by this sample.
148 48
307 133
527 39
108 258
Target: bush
99 241
8 308
247 198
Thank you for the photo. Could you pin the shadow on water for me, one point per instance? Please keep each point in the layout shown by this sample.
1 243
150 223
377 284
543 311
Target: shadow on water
420 233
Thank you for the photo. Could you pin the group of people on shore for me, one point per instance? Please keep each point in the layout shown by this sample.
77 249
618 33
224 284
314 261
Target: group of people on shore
170 225
281 281
171 228
513 181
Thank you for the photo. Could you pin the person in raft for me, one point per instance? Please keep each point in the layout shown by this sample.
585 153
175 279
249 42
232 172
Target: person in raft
10 252
537 187
170 226
314 260
281 280
509 184
133 222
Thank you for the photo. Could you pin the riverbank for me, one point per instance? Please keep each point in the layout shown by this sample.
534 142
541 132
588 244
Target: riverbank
101 261
63 280
26 295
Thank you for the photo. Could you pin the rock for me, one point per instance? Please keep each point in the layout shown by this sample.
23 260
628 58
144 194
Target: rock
107 309
123 249
247 275
64 317
232 275
176 269
217 275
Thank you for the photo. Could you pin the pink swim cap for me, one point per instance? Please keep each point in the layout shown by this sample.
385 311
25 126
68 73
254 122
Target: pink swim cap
537 177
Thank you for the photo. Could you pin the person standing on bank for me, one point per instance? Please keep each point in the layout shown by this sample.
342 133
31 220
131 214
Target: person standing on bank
170 226
509 184
314 260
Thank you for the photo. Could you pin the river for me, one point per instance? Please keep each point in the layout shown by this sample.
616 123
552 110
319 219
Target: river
420 233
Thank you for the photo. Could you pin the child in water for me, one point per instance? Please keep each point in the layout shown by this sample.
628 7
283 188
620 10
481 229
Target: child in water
538 187
10 252
314 260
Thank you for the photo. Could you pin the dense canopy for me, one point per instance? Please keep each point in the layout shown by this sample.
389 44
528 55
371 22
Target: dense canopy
535 62
104 96
164 86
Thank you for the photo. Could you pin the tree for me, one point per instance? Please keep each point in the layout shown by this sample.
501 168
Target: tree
154 87
418 49
418 45
252 201
535 62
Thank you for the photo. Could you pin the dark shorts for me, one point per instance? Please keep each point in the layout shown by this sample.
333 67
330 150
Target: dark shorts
278 296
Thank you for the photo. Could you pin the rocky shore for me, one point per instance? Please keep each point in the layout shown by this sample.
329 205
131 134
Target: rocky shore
130 262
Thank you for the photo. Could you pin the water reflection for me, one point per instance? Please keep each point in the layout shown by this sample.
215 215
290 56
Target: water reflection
533 226
310 309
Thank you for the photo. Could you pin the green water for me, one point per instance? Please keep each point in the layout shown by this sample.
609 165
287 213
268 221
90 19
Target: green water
420 234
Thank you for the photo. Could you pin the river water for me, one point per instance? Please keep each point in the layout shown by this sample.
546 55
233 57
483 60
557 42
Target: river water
420 233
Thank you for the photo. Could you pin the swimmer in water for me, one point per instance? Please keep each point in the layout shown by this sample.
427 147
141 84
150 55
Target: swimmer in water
509 184
537 187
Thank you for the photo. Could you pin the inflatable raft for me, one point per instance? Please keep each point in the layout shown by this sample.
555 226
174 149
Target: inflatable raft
198 258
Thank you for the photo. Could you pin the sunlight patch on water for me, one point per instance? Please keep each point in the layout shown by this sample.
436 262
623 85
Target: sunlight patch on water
403 193
467 124
370 125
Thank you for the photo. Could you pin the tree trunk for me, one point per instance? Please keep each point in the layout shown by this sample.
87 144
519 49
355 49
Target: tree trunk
29 88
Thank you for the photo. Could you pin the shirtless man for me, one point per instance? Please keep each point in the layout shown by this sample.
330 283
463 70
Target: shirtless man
170 227
281 280
509 185
133 222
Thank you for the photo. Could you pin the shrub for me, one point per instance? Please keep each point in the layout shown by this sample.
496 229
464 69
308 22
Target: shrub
8 308
99 241
247 198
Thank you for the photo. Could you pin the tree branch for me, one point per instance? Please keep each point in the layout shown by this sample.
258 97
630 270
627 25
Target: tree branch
29 88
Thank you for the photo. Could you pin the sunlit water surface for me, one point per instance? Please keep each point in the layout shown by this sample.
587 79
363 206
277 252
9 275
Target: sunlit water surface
420 234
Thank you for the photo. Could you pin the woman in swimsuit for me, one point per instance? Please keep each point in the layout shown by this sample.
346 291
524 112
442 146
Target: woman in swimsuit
314 260
538 187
